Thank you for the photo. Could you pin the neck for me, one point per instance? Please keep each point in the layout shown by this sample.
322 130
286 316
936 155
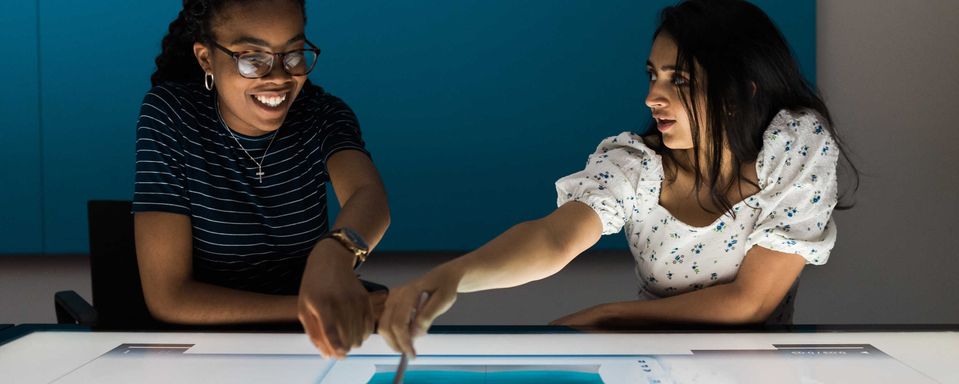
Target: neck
727 168
233 122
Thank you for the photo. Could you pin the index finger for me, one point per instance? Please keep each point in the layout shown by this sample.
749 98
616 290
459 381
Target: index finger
385 325
316 334
335 337
401 317
412 328
437 304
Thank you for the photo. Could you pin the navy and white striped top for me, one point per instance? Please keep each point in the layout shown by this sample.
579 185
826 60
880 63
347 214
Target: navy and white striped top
246 234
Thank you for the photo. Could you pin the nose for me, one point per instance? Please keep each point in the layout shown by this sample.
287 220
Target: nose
656 98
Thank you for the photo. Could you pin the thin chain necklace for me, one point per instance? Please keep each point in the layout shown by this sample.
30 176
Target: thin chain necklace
259 164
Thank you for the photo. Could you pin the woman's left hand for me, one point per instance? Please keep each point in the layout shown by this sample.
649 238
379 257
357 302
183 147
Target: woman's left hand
594 316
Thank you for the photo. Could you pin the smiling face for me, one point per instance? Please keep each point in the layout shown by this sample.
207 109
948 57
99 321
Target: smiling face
666 81
254 106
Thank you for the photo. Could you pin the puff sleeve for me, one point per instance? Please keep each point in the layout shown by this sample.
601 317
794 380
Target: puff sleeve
797 177
610 180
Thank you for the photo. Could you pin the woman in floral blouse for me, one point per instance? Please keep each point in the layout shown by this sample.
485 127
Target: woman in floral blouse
723 204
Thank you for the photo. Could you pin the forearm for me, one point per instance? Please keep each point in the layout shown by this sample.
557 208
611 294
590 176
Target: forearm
367 213
763 279
193 302
164 257
719 304
524 253
335 310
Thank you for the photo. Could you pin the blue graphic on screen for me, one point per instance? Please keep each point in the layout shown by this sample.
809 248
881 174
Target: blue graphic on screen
491 374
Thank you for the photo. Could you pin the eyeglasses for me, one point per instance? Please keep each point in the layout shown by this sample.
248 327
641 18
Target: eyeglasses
257 64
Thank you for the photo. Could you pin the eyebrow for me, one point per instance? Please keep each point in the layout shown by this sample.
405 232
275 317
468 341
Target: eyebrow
249 40
649 64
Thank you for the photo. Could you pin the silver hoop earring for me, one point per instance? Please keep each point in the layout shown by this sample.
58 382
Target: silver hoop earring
208 81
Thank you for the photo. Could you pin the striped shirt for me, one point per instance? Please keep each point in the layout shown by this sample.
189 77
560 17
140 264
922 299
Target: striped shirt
247 234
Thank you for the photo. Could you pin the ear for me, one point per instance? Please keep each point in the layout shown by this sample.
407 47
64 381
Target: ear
203 56
754 87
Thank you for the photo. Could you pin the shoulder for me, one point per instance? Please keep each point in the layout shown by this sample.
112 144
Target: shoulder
796 139
630 152
175 94
326 120
175 115
800 131
313 100
626 142
170 100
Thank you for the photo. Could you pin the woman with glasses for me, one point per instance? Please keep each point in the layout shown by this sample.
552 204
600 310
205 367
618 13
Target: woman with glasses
723 202
235 147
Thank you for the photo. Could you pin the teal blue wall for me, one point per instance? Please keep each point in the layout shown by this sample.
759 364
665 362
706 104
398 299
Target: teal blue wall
21 218
472 109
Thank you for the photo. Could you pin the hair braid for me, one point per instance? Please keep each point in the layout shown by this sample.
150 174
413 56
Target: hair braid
176 60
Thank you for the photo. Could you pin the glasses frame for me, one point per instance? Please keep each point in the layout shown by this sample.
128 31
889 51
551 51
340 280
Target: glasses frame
273 58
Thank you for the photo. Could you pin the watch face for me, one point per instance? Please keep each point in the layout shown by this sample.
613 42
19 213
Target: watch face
355 238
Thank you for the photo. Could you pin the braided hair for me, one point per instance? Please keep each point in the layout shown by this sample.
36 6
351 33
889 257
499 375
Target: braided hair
176 61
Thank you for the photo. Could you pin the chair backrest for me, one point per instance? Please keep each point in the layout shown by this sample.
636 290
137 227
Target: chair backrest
114 275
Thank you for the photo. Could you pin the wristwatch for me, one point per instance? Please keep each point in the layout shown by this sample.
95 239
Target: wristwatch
352 242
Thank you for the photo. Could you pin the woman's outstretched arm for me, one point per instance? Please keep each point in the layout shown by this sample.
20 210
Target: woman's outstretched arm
526 252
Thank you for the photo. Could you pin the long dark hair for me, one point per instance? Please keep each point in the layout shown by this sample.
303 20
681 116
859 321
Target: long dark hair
750 75
176 61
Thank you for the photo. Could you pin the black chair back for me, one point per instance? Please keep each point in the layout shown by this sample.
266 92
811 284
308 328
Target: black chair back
114 274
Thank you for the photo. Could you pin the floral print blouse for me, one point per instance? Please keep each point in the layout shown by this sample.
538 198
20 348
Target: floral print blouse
791 213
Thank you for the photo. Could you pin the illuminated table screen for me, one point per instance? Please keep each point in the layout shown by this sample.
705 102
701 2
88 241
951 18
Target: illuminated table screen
808 357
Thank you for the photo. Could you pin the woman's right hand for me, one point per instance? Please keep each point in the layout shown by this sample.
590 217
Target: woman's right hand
397 325
334 308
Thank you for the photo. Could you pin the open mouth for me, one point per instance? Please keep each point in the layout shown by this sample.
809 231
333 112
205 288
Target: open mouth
664 124
271 102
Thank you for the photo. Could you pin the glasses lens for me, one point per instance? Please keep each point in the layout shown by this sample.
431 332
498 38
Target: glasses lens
254 64
299 63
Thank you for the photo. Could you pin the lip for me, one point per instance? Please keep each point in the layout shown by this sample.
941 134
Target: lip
664 124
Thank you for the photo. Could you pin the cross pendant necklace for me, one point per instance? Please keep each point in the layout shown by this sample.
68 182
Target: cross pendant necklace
259 164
